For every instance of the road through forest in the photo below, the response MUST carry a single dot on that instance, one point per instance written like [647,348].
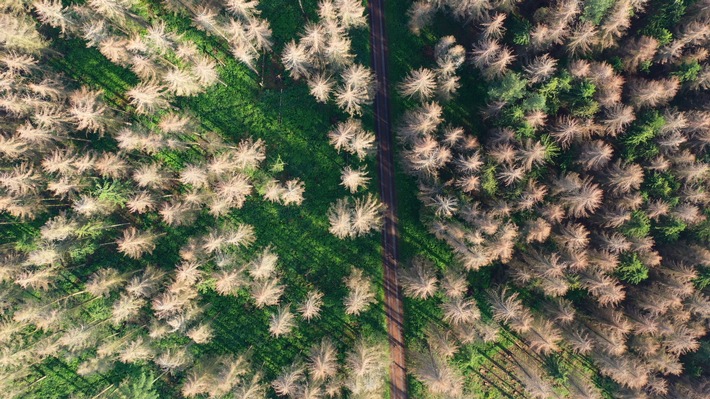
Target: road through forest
[385,160]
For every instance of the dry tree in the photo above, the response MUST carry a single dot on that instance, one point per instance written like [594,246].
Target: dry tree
[582,39]
[651,93]
[420,14]
[340,218]
[264,266]
[145,285]
[449,55]
[617,118]
[459,311]
[151,176]
[104,281]
[293,192]
[354,179]
[360,292]
[484,52]
[537,230]
[322,361]
[250,388]
[356,89]
[453,283]
[148,98]
[282,322]
[288,383]
[351,13]
[445,206]
[605,289]
[541,68]
[296,60]
[321,87]
[88,110]
[624,178]
[572,236]
[176,213]
[229,282]
[352,138]
[443,341]
[580,196]
[201,334]
[568,130]
[315,37]
[534,193]
[51,12]
[638,51]
[609,84]
[499,65]
[511,175]
[343,133]
[532,153]
[366,215]
[419,279]
[126,308]
[337,52]
[366,368]
[267,292]
[311,306]
[509,309]
[543,337]
[493,26]
[436,374]
[615,23]
[532,377]
[625,370]
[135,351]
[140,202]
[59,228]
[419,84]
[173,359]
[447,86]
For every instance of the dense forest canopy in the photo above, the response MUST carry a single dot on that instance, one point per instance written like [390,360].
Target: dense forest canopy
[584,182]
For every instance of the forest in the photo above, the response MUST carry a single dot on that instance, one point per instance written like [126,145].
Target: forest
[196,199]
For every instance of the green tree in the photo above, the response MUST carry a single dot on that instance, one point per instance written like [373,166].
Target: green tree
[140,387]
[639,139]
[631,269]
[639,226]
[663,16]
[594,10]
[688,72]
[669,229]
[510,88]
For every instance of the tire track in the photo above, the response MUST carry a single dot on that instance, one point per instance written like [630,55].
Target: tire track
[385,160]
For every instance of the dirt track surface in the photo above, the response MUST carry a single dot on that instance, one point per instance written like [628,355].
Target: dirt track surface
[385,160]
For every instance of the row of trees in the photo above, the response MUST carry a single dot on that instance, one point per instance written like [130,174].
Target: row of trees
[166,64]
[237,22]
[323,56]
[589,184]
[322,375]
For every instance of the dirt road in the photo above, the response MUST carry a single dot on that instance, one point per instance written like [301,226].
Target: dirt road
[385,160]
